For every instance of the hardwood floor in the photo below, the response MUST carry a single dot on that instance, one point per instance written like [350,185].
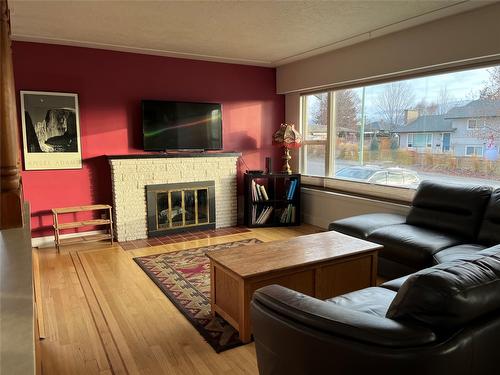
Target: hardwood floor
[101,314]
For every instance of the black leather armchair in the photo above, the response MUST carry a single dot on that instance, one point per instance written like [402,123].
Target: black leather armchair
[441,320]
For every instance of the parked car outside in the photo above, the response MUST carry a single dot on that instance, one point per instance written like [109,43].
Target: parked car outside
[372,174]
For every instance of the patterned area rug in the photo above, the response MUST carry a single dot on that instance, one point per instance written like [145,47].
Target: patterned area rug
[184,277]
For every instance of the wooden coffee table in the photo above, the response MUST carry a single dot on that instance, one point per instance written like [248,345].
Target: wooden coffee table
[321,265]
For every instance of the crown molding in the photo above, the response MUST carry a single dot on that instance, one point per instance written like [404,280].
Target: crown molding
[140,50]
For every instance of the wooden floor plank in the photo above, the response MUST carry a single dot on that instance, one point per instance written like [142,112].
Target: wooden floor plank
[104,315]
[107,339]
[72,344]
[38,295]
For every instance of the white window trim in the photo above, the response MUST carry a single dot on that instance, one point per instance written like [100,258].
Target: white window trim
[468,124]
[480,124]
[408,145]
[426,140]
[426,135]
[475,147]
[306,143]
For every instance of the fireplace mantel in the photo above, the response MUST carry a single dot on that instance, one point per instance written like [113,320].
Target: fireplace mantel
[131,173]
[157,155]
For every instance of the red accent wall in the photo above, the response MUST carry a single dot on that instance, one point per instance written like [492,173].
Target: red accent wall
[110,86]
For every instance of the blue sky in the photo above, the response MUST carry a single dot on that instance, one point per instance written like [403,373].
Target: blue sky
[461,86]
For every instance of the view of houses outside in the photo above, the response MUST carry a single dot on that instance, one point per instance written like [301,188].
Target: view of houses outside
[442,127]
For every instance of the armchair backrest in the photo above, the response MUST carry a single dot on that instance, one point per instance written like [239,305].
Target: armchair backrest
[453,209]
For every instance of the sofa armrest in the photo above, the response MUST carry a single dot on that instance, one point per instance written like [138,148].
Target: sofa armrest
[329,318]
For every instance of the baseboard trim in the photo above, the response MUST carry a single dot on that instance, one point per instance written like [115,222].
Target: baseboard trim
[48,241]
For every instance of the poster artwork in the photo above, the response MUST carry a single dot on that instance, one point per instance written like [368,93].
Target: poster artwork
[51,130]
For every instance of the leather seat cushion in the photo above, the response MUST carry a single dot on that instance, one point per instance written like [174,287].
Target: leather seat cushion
[374,301]
[457,252]
[451,294]
[411,245]
[454,209]
[362,225]
[489,234]
[395,284]
[490,251]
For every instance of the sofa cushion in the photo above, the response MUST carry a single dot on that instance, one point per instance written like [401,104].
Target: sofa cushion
[489,234]
[362,225]
[395,284]
[411,245]
[457,253]
[453,209]
[374,301]
[490,250]
[451,294]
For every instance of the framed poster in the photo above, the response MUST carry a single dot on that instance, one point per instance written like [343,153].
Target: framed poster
[51,130]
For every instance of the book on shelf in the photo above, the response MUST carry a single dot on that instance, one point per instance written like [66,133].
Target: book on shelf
[254,197]
[291,189]
[264,192]
[288,214]
[259,193]
[264,215]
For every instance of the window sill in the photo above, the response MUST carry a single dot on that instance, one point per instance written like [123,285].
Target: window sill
[390,194]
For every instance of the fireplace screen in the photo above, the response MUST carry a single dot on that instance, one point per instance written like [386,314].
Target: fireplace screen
[182,208]
[175,207]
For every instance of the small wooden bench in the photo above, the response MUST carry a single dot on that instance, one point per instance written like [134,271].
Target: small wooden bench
[78,224]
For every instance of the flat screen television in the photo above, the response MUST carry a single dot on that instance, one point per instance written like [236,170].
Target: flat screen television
[168,125]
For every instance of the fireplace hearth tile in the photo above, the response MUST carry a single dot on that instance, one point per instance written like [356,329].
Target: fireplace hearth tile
[128,245]
[140,243]
[181,237]
[154,242]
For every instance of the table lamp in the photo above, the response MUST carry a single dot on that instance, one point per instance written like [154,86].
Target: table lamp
[287,137]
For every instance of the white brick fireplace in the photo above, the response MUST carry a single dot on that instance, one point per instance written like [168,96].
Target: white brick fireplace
[131,173]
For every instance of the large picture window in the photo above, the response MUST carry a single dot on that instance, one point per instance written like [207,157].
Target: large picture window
[443,127]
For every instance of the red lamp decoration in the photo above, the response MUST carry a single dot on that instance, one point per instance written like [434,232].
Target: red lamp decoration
[287,137]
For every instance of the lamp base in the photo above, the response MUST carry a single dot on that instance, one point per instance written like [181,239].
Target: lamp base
[286,162]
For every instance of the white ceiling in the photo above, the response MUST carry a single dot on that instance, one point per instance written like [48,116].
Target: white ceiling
[266,33]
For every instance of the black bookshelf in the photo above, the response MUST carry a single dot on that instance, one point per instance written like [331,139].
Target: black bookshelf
[277,204]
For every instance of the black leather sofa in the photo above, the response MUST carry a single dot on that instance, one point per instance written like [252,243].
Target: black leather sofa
[441,317]
[441,320]
[445,222]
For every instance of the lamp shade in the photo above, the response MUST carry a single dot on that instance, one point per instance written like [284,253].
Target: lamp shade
[287,136]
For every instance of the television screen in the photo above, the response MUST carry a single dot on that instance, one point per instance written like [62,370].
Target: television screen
[181,125]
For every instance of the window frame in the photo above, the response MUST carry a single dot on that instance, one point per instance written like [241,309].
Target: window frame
[480,124]
[303,130]
[474,147]
[363,189]
[429,141]
[427,137]
[469,121]
[408,143]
